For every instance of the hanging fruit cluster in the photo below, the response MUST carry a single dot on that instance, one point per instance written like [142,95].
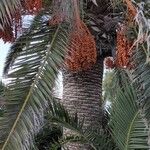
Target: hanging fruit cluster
[124,47]
[32,6]
[82,49]
[124,50]
[131,11]
[7,34]
[82,52]
[14,25]
[11,29]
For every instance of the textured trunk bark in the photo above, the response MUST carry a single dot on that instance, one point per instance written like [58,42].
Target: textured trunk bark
[82,93]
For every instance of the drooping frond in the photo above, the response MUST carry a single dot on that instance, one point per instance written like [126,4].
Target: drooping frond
[7,8]
[141,57]
[60,116]
[11,12]
[30,80]
[128,127]
[37,26]
[48,136]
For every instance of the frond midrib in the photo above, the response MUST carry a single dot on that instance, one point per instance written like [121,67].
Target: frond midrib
[30,91]
[130,129]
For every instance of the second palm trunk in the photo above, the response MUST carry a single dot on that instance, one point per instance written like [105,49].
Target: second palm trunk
[82,94]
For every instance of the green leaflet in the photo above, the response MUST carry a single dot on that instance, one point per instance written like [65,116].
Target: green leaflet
[98,140]
[128,127]
[141,72]
[7,8]
[31,81]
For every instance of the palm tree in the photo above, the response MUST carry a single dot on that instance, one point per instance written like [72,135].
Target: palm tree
[82,95]
[32,66]
[82,91]
[90,77]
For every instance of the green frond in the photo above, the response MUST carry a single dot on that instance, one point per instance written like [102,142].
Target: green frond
[99,140]
[141,76]
[47,137]
[61,116]
[96,141]
[30,81]
[141,73]
[7,9]
[128,127]
[39,27]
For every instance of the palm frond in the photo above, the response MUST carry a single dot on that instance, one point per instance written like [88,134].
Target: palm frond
[48,136]
[141,77]
[96,141]
[30,80]
[128,127]
[60,115]
[37,26]
[99,140]
[7,9]
[141,73]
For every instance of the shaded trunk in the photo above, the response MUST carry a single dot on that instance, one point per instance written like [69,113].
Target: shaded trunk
[82,93]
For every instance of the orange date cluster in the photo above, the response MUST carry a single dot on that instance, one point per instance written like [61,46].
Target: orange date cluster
[82,52]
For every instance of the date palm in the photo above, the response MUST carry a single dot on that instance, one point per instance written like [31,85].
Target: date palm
[32,66]
[93,74]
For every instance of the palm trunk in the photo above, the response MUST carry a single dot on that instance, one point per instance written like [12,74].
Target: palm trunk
[82,93]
